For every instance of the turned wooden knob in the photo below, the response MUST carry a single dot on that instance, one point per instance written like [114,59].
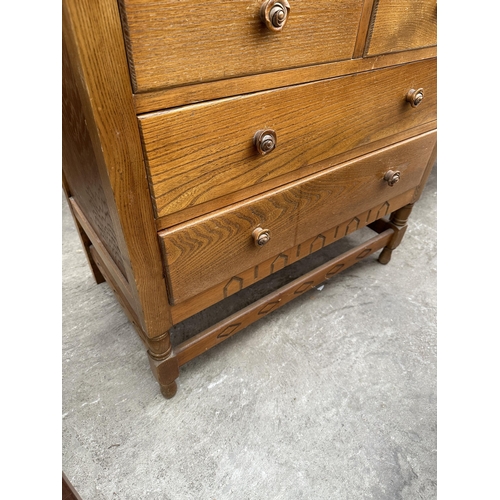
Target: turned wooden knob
[265,140]
[261,236]
[274,14]
[392,177]
[415,97]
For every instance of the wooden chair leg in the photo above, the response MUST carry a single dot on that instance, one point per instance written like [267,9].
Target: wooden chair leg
[399,222]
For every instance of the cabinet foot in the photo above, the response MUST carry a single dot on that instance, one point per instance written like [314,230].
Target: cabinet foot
[385,255]
[398,222]
[169,390]
[164,365]
[166,372]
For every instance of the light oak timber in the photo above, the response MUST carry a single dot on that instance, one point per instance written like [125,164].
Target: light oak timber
[191,161]
[190,94]
[166,371]
[229,38]
[364,26]
[159,346]
[84,239]
[402,25]
[428,169]
[216,334]
[266,186]
[94,39]
[116,284]
[398,223]
[167,189]
[202,252]
[108,263]
[233,285]
[83,180]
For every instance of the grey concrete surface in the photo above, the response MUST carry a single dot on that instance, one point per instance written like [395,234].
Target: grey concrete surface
[333,396]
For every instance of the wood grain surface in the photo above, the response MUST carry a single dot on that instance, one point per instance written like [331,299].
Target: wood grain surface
[199,92]
[93,36]
[204,252]
[238,321]
[175,42]
[96,244]
[81,169]
[84,239]
[161,101]
[201,152]
[267,185]
[254,274]
[364,28]
[399,25]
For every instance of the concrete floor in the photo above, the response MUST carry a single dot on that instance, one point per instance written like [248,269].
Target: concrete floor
[333,396]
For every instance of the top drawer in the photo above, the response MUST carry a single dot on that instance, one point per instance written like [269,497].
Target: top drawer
[402,25]
[175,42]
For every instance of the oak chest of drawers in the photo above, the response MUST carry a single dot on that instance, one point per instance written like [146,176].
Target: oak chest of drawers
[209,145]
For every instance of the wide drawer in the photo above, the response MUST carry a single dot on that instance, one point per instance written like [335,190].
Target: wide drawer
[201,152]
[175,42]
[403,25]
[206,251]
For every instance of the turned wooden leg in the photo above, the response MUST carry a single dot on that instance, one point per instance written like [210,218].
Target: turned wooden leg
[170,390]
[164,364]
[398,222]
[385,255]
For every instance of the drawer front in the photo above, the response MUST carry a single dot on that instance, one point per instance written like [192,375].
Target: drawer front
[402,25]
[199,153]
[175,42]
[209,250]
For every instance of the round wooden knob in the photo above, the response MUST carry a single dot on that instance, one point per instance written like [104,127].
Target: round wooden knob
[415,97]
[261,236]
[392,177]
[265,140]
[274,14]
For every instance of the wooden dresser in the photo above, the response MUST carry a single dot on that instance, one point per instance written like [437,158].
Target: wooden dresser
[207,145]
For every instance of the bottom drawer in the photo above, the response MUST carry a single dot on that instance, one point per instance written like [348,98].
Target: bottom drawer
[206,251]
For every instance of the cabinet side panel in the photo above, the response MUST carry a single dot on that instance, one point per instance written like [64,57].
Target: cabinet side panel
[80,166]
[94,40]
